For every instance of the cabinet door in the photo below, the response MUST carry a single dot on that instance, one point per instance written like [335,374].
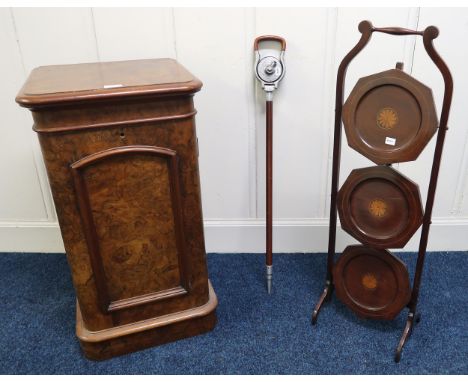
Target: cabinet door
[130,205]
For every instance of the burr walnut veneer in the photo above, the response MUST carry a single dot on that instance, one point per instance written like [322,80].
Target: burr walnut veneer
[120,147]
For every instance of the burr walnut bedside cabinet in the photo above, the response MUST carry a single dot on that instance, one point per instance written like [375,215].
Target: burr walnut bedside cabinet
[120,148]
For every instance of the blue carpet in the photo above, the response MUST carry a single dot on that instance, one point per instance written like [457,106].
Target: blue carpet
[255,334]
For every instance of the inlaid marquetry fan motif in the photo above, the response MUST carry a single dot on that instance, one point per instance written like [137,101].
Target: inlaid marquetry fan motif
[378,207]
[387,118]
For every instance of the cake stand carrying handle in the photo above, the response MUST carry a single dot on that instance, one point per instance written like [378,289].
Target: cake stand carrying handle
[397,31]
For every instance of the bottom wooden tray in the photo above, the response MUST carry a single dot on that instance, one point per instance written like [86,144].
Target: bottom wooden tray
[372,282]
[124,339]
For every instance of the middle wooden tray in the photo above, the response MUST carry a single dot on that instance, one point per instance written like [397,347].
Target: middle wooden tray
[380,207]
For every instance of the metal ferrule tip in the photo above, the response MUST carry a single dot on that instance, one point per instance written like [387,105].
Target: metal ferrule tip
[269,277]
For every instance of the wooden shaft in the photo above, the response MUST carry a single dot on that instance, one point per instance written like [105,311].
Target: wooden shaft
[269,182]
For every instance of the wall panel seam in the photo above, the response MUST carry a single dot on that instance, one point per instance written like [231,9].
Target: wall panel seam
[93,21]
[414,46]
[462,180]
[251,104]
[18,44]
[46,195]
[327,116]
[413,23]
[174,32]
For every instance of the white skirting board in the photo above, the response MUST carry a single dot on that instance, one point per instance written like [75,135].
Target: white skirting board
[311,235]
[242,236]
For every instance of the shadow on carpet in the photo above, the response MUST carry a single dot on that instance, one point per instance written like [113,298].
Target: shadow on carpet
[255,334]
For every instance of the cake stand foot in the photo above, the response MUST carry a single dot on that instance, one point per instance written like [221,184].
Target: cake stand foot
[412,319]
[324,297]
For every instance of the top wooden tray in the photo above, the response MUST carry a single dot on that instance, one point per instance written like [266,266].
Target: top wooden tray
[389,117]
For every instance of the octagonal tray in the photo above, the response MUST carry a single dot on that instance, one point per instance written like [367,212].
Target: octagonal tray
[380,207]
[389,117]
[372,282]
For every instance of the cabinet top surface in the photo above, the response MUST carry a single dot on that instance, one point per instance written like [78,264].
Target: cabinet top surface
[55,84]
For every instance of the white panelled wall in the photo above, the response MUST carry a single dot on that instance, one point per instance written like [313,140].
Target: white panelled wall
[216,45]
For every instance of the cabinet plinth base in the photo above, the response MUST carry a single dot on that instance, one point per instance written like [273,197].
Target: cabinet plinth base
[108,343]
